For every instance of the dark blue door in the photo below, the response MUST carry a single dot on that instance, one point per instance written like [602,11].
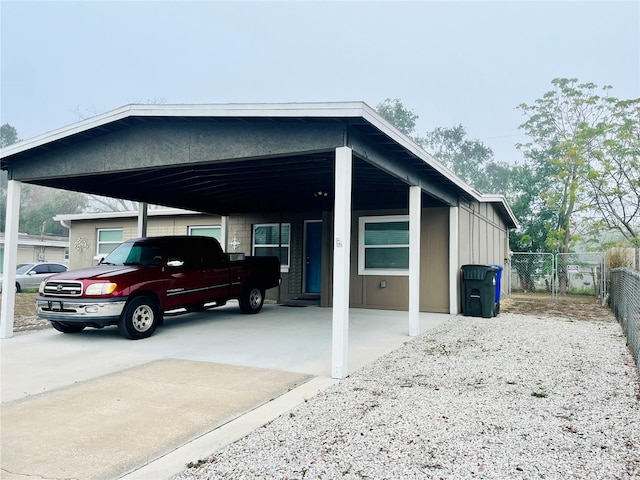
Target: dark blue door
[313,262]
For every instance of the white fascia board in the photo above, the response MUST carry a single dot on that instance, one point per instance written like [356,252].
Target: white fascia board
[127,214]
[45,243]
[309,109]
[503,201]
[66,131]
[38,243]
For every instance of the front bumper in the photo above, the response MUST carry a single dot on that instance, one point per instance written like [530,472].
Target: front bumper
[91,311]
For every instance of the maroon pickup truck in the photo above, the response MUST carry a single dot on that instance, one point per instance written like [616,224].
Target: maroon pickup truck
[141,279]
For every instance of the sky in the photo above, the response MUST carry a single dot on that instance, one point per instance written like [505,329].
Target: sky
[450,62]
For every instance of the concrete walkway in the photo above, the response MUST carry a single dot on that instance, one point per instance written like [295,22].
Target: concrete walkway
[275,360]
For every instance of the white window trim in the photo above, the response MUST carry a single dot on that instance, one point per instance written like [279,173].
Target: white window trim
[98,242]
[99,256]
[283,268]
[362,221]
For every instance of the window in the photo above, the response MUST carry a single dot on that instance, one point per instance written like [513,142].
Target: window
[383,245]
[267,242]
[55,268]
[108,239]
[206,231]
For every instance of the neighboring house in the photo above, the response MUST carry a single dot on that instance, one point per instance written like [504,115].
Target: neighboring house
[94,235]
[38,248]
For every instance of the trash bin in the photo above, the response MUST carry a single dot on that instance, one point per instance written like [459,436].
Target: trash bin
[496,308]
[479,290]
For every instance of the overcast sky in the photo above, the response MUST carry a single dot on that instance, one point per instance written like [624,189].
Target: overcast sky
[468,63]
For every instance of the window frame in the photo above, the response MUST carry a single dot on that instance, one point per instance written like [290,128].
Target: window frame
[100,254]
[362,222]
[283,268]
[195,228]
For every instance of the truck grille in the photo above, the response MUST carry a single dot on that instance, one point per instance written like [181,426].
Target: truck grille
[66,289]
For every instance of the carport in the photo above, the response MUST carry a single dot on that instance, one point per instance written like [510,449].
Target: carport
[241,158]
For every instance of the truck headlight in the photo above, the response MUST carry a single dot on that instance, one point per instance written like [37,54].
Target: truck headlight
[41,287]
[104,288]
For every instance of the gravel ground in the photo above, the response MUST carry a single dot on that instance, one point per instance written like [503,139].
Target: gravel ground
[516,396]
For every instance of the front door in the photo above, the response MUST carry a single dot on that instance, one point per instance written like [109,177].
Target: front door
[313,256]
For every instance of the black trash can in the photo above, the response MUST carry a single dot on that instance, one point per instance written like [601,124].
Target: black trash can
[479,290]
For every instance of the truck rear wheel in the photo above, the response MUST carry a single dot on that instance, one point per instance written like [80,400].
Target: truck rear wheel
[67,327]
[139,319]
[251,300]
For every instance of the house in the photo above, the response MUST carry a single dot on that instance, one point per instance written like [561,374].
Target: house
[38,248]
[357,212]
[93,235]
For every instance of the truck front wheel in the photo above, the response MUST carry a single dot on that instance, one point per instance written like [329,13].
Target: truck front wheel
[139,319]
[251,300]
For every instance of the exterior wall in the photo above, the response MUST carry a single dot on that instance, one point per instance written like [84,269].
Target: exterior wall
[240,233]
[83,235]
[32,248]
[33,253]
[366,290]
[484,236]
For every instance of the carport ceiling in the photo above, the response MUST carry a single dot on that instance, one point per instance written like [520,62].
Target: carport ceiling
[267,184]
[273,162]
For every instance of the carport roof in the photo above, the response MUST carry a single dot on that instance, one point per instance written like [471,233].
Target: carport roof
[175,157]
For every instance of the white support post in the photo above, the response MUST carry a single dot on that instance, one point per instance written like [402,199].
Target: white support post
[10,259]
[454,259]
[143,209]
[341,262]
[224,232]
[415,210]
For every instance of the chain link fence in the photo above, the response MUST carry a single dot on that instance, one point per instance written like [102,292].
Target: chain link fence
[625,304]
[531,273]
[581,274]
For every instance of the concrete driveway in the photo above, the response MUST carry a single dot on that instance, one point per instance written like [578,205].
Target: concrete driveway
[229,373]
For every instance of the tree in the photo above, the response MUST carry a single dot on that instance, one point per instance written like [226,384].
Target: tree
[555,125]
[471,160]
[41,204]
[585,150]
[8,135]
[97,203]
[614,175]
[394,112]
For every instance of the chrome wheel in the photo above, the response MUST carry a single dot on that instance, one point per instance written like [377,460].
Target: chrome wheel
[251,300]
[255,298]
[142,318]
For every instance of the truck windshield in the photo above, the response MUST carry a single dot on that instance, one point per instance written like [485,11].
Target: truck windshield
[134,254]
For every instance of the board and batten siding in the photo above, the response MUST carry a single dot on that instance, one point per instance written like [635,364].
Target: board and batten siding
[484,237]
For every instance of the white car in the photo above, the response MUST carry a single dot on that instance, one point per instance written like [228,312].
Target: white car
[29,275]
